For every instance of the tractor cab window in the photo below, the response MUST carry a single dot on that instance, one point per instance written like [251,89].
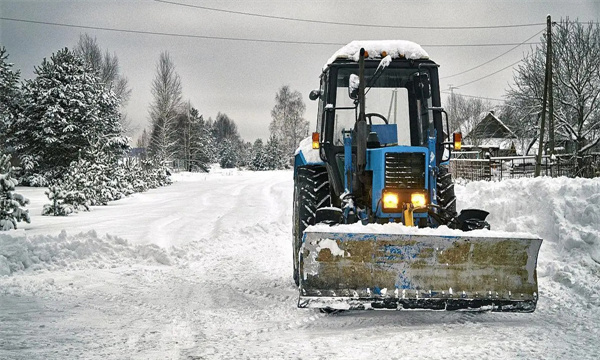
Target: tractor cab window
[390,97]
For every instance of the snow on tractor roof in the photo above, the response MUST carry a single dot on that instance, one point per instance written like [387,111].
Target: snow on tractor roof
[376,49]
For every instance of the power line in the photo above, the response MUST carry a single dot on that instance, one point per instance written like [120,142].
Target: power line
[471,96]
[88,27]
[488,75]
[347,24]
[169,34]
[497,57]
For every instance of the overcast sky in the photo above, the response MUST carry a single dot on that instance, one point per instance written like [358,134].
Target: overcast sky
[241,78]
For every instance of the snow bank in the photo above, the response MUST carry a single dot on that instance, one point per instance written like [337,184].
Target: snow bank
[18,252]
[564,212]
[393,48]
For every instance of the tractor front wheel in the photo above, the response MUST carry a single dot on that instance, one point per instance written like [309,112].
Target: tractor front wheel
[311,192]
[446,198]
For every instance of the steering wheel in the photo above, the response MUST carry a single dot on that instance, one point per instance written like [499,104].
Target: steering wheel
[371,115]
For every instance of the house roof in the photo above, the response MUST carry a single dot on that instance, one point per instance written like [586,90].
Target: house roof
[490,127]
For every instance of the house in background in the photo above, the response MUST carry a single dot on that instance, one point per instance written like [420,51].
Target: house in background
[491,136]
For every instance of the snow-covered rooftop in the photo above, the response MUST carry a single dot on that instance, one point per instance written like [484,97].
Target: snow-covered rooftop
[375,48]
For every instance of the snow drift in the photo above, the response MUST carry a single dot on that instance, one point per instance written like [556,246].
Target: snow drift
[564,212]
[18,252]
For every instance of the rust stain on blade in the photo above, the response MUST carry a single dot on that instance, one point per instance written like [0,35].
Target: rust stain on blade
[419,264]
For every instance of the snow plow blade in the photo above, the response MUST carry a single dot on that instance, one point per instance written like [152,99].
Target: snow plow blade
[356,271]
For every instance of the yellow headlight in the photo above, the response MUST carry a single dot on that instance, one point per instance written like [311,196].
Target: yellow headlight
[390,200]
[418,200]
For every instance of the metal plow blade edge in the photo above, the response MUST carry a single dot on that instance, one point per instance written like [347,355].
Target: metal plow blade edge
[347,271]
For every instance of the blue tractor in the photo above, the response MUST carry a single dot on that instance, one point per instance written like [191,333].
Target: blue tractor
[375,221]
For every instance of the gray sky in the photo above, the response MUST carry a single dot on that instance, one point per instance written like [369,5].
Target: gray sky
[241,78]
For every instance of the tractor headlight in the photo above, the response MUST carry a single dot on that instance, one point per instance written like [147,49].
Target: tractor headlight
[390,200]
[418,200]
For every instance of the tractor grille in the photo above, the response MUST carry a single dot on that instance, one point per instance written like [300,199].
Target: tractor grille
[405,170]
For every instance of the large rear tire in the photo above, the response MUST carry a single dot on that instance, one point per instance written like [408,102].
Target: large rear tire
[446,198]
[311,192]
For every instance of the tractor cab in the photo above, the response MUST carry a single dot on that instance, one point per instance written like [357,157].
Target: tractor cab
[402,103]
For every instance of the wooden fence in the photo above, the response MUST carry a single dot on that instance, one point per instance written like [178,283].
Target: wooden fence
[499,168]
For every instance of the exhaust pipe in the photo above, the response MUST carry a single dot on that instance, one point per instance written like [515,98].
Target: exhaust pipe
[361,124]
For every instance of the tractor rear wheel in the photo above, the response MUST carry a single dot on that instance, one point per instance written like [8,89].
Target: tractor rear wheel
[311,192]
[446,198]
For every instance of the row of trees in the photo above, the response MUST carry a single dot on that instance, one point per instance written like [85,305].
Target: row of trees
[64,128]
[179,133]
[576,91]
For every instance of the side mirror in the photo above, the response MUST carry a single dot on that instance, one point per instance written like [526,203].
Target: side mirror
[353,84]
[314,95]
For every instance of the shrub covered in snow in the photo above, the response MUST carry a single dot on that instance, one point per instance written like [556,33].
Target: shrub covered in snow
[12,205]
[95,180]
[60,205]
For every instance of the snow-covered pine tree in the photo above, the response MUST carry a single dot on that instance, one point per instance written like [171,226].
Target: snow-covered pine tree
[245,154]
[228,141]
[258,160]
[228,153]
[12,205]
[66,109]
[203,147]
[195,145]
[276,158]
[10,95]
[58,207]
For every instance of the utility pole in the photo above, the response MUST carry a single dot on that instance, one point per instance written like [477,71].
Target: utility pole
[550,98]
[538,163]
[453,120]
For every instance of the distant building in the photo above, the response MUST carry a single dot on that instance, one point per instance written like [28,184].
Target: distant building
[490,135]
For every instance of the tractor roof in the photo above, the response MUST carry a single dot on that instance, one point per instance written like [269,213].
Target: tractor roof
[397,49]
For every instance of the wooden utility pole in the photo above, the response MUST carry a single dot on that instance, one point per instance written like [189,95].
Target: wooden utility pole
[538,163]
[550,97]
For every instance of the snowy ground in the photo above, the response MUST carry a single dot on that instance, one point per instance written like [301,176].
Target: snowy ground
[202,270]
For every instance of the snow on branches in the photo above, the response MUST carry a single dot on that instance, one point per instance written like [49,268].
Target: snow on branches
[12,205]
[93,180]
[66,110]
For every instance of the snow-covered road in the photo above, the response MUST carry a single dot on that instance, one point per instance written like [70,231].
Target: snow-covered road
[202,270]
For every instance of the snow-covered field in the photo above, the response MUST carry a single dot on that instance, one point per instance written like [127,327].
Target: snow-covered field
[202,270]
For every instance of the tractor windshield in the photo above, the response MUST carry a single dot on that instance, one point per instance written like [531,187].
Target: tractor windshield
[389,96]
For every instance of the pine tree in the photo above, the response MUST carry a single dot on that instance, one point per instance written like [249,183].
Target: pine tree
[202,148]
[66,110]
[194,141]
[10,95]
[227,140]
[258,161]
[245,154]
[275,158]
[58,207]
[228,153]
[12,205]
